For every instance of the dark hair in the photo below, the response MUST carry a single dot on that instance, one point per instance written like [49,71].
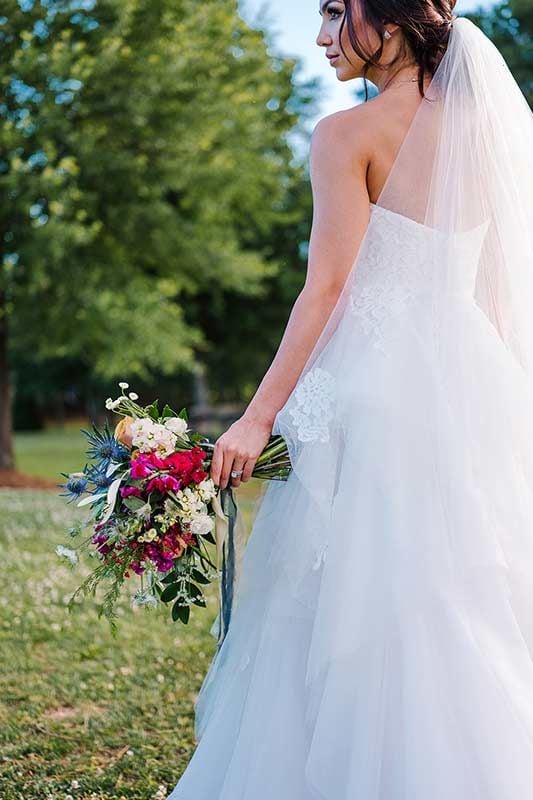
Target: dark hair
[425,24]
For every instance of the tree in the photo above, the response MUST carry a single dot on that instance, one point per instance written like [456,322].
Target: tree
[138,141]
[510,26]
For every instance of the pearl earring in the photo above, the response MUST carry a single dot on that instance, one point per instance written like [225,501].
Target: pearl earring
[387,34]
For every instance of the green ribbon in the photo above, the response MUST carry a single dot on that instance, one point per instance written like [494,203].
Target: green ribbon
[230,538]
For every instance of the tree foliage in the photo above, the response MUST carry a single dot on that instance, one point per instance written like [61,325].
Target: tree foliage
[140,143]
[510,26]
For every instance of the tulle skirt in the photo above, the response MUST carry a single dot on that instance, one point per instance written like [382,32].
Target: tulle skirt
[382,637]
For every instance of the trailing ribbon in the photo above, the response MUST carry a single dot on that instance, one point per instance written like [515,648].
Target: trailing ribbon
[230,538]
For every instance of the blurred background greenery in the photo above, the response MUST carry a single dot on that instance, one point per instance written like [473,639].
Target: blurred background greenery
[154,218]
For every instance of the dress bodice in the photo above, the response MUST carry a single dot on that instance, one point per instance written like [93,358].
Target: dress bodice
[403,261]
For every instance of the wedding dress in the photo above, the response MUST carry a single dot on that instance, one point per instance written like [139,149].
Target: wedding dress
[381,639]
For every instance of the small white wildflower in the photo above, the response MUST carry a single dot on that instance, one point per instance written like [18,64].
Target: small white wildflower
[149,536]
[74,784]
[133,396]
[124,385]
[71,555]
[112,404]
[144,598]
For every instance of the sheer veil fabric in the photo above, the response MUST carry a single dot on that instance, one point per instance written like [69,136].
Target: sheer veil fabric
[381,644]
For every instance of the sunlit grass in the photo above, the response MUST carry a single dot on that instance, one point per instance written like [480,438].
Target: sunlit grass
[50,452]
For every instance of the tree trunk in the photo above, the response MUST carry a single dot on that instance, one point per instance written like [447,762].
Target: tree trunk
[201,392]
[7,460]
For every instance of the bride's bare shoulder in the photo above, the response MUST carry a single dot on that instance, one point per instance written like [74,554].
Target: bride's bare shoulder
[352,132]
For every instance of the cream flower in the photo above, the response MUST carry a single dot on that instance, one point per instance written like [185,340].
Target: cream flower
[177,425]
[201,524]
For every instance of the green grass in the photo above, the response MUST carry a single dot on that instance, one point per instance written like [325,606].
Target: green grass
[83,714]
[50,452]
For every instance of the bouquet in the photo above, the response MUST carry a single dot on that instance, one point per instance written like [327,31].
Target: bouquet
[156,513]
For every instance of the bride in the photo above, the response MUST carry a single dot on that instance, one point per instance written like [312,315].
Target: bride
[381,640]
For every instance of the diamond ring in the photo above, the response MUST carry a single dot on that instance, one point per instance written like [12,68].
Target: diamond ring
[236,473]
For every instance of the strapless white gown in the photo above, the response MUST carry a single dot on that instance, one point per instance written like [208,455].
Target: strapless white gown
[382,639]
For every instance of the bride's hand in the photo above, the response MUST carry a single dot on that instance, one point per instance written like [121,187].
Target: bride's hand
[238,449]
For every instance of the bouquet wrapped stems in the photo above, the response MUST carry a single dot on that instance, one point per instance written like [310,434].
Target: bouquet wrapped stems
[273,463]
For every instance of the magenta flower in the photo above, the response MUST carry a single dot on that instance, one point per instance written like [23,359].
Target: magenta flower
[127,491]
[163,561]
[100,540]
[141,467]
[163,483]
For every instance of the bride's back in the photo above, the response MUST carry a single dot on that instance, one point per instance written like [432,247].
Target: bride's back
[380,126]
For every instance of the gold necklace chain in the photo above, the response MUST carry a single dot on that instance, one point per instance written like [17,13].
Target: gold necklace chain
[398,83]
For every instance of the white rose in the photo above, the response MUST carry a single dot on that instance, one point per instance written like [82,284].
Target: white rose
[177,425]
[201,524]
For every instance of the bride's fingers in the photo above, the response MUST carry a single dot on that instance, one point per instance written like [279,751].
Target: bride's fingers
[248,469]
[217,462]
[237,466]
[228,457]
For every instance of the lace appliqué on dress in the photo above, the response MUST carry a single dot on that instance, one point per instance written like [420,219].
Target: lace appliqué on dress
[374,315]
[395,266]
[314,405]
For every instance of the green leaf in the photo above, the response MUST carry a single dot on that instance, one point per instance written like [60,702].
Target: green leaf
[153,410]
[181,613]
[170,592]
[199,576]
[168,412]
[183,414]
[194,590]
[133,503]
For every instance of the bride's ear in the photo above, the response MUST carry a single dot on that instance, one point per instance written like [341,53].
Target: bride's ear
[390,30]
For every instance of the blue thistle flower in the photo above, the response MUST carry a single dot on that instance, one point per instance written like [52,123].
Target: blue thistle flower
[75,485]
[96,475]
[103,447]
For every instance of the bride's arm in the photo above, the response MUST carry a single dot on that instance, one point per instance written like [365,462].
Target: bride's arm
[338,167]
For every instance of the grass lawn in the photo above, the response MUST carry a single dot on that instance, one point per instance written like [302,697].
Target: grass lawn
[82,714]
[50,452]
